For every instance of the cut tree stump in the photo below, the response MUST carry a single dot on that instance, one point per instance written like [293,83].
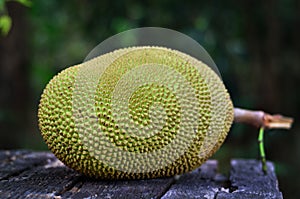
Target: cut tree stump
[27,174]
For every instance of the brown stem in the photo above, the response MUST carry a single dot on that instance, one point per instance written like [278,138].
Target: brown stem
[262,119]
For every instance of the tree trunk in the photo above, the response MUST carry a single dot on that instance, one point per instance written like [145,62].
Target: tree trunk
[13,78]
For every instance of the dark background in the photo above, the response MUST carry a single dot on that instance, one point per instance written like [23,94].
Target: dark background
[255,44]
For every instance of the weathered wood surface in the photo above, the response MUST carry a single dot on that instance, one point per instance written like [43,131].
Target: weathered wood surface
[26,174]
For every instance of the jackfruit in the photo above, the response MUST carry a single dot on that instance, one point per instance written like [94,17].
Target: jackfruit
[135,113]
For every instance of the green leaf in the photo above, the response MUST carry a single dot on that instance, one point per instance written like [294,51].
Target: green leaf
[5,24]
[27,3]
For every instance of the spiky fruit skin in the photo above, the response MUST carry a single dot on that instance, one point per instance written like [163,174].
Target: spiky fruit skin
[59,129]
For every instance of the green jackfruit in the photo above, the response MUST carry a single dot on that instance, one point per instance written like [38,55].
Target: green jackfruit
[140,112]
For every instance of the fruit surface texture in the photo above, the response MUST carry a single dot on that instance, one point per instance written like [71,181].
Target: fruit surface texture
[135,113]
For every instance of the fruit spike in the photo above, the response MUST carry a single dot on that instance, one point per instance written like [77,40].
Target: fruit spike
[140,112]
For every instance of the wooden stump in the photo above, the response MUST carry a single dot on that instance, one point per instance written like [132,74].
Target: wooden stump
[26,174]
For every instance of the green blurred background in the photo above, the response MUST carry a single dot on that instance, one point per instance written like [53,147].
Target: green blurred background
[255,44]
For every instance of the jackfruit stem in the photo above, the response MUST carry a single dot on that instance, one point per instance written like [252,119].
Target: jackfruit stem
[262,119]
[262,150]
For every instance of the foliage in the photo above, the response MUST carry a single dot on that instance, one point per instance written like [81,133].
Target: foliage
[5,19]
[5,24]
